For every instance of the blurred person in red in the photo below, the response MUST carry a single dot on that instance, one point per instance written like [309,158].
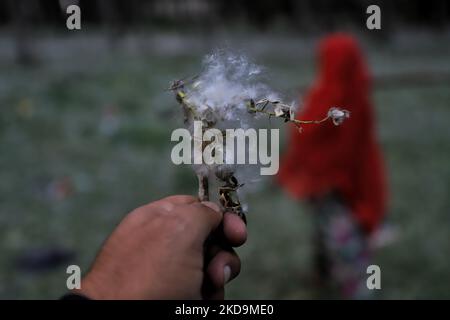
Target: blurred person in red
[339,169]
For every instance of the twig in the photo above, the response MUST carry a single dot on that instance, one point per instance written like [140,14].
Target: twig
[227,193]
[286,115]
[203,187]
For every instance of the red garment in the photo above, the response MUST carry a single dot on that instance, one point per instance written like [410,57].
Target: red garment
[326,158]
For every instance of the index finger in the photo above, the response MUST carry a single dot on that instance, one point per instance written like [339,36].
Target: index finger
[170,202]
[180,199]
[234,229]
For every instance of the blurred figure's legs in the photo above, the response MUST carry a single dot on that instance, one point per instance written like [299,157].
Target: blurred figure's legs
[341,253]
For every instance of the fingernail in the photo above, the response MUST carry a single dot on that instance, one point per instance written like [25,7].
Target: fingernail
[211,205]
[226,274]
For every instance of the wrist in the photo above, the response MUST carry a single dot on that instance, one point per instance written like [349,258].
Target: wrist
[93,288]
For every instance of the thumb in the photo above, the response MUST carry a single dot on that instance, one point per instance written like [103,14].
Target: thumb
[204,218]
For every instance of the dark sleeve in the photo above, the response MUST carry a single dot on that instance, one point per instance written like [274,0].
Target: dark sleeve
[73,296]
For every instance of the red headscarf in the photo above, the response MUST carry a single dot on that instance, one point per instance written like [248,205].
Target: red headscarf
[346,158]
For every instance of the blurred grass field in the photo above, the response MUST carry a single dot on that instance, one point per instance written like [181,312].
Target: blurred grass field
[85,138]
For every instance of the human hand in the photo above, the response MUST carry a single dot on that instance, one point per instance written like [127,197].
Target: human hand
[173,248]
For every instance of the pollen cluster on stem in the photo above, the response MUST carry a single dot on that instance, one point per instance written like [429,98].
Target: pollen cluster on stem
[225,93]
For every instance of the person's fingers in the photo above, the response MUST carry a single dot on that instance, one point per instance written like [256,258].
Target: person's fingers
[216,294]
[211,205]
[180,199]
[234,229]
[212,248]
[224,267]
[210,291]
[202,218]
[168,203]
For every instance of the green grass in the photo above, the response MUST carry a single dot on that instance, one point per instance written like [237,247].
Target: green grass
[49,129]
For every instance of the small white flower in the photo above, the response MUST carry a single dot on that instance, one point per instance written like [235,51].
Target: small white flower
[279,111]
[338,115]
[196,84]
[292,112]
